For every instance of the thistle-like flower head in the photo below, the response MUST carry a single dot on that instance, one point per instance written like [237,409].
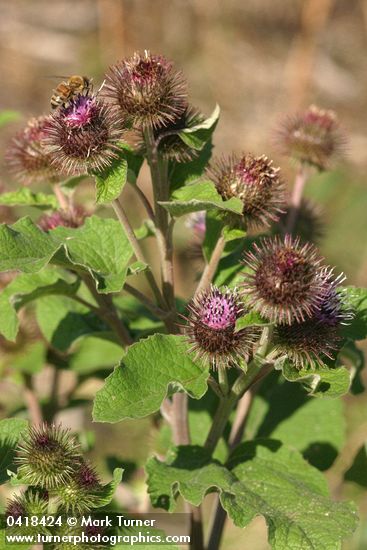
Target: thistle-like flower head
[80,493]
[286,282]
[66,218]
[256,182]
[15,508]
[308,343]
[86,476]
[32,502]
[48,456]
[312,137]
[170,145]
[147,88]
[80,138]
[211,327]
[26,155]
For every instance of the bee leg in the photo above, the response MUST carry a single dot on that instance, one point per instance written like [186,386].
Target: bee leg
[101,86]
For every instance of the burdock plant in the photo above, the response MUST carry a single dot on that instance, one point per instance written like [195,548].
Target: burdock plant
[212,327]
[27,156]
[286,280]
[256,182]
[81,137]
[147,89]
[59,478]
[261,313]
[47,456]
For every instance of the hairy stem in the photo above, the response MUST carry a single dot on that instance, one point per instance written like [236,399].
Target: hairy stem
[145,201]
[238,425]
[52,406]
[226,405]
[243,389]
[223,381]
[157,311]
[211,266]
[296,198]
[62,199]
[108,312]
[180,425]
[32,402]
[164,233]
[123,219]
[219,516]
[158,169]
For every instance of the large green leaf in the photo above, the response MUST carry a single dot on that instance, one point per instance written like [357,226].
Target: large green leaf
[200,196]
[316,429]
[263,478]
[282,410]
[25,288]
[94,354]
[101,247]
[320,381]
[25,247]
[63,321]
[25,197]
[187,172]
[110,182]
[197,136]
[291,495]
[10,431]
[188,470]
[139,384]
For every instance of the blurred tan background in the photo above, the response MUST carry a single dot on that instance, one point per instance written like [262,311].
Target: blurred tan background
[258,59]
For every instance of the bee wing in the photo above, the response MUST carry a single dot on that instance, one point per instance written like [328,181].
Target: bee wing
[54,76]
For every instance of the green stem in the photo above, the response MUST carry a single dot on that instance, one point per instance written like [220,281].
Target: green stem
[32,402]
[145,201]
[123,219]
[61,198]
[223,380]
[225,408]
[296,198]
[255,372]
[158,169]
[240,386]
[108,312]
[157,311]
[164,232]
[211,266]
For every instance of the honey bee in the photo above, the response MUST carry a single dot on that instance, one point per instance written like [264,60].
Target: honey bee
[69,88]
